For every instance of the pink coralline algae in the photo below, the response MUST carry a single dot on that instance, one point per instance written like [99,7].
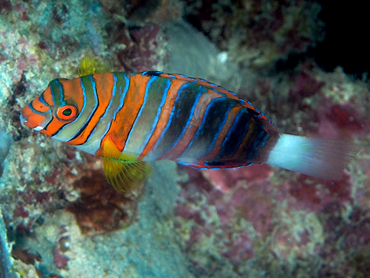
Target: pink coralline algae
[200,201]
[260,207]
[313,194]
[305,86]
[224,179]
[142,46]
[342,119]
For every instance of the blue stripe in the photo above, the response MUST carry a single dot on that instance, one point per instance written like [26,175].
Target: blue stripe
[155,122]
[141,109]
[121,101]
[219,130]
[232,128]
[223,168]
[216,86]
[35,111]
[213,84]
[188,164]
[61,91]
[259,141]
[57,104]
[191,78]
[197,166]
[84,105]
[42,100]
[44,114]
[203,123]
[52,92]
[51,114]
[51,119]
[188,121]
[242,101]
[83,108]
[91,114]
[122,97]
[265,140]
[113,93]
[172,113]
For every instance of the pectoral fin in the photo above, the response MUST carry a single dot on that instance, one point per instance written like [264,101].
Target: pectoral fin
[123,171]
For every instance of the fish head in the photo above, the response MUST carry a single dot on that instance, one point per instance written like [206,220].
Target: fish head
[55,108]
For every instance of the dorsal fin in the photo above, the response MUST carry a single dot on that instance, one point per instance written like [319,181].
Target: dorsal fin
[91,65]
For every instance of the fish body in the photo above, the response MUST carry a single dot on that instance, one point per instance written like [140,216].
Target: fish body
[132,118]
[155,116]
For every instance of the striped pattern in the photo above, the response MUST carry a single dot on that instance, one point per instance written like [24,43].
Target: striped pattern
[154,116]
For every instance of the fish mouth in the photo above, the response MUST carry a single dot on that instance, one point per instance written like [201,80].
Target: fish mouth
[36,121]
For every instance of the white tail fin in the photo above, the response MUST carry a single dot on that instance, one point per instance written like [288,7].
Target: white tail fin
[322,158]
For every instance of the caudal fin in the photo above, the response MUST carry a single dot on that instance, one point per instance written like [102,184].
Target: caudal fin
[322,158]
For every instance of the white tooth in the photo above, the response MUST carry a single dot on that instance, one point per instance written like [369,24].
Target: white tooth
[38,128]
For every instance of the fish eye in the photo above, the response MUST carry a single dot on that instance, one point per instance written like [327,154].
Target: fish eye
[67,112]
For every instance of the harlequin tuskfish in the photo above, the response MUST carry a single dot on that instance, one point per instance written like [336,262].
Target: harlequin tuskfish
[132,118]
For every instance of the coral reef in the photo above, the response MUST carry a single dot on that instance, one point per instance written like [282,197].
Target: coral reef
[257,33]
[4,252]
[62,219]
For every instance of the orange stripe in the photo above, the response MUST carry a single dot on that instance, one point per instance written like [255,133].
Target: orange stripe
[164,116]
[104,87]
[48,96]
[72,90]
[193,126]
[221,137]
[39,106]
[125,118]
[53,127]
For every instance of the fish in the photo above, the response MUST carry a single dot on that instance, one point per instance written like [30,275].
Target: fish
[131,119]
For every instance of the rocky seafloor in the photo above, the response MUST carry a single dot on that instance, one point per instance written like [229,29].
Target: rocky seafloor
[60,218]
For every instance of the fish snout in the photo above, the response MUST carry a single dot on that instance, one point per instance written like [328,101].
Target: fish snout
[34,120]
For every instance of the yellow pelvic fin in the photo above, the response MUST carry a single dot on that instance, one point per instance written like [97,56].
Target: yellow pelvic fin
[123,171]
[91,65]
